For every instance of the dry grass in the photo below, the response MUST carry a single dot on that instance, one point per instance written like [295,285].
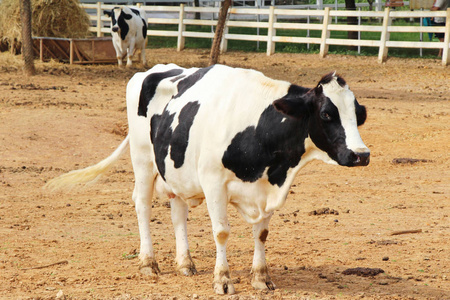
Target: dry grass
[50,18]
[12,63]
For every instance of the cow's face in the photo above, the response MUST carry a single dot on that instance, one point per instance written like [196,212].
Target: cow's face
[334,116]
[118,21]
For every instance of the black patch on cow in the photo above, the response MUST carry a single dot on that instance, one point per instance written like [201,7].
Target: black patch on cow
[136,12]
[144,29]
[160,135]
[177,78]
[361,113]
[189,81]
[149,86]
[273,143]
[180,138]
[123,25]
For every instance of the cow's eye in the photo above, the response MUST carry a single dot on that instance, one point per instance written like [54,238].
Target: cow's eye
[325,116]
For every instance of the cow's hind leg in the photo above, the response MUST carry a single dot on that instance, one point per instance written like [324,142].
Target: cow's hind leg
[142,197]
[179,211]
[261,279]
[144,44]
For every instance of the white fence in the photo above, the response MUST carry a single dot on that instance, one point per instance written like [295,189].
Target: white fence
[266,18]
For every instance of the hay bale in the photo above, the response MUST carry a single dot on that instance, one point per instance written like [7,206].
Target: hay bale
[50,18]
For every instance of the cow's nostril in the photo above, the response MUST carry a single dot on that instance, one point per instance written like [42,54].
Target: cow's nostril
[362,158]
[115,29]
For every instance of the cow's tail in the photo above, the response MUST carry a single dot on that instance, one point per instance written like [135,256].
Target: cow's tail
[88,174]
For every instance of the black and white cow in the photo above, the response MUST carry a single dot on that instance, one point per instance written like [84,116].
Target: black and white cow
[230,136]
[129,32]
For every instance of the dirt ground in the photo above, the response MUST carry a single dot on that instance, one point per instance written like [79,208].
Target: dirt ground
[82,244]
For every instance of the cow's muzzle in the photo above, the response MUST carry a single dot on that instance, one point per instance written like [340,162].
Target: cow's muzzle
[115,29]
[362,159]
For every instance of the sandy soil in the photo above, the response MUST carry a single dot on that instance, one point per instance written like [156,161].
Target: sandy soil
[82,244]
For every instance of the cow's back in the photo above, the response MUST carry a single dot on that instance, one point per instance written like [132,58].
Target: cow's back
[140,24]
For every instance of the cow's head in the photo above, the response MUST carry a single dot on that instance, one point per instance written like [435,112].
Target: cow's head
[118,20]
[333,118]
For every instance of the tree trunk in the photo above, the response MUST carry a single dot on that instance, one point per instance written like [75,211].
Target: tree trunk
[27,41]
[215,48]
[351,5]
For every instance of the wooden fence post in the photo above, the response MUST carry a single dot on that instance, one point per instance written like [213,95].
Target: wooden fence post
[181,28]
[224,42]
[445,51]
[41,49]
[271,32]
[383,51]
[71,52]
[99,19]
[325,33]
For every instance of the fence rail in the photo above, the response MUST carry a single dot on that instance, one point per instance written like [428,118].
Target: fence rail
[267,18]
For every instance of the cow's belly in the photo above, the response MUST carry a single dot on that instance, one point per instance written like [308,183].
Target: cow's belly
[252,200]
[182,182]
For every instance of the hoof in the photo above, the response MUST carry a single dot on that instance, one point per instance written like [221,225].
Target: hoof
[189,271]
[149,267]
[186,266]
[224,288]
[263,285]
[147,271]
[261,279]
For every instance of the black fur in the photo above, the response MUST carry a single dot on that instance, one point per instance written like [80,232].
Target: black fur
[276,143]
[123,25]
[149,86]
[162,136]
[180,137]
[189,81]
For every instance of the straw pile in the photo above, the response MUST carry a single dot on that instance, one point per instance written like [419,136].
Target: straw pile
[50,18]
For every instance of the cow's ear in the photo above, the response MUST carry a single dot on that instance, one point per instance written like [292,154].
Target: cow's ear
[318,90]
[361,113]
[107,13]
[293,107]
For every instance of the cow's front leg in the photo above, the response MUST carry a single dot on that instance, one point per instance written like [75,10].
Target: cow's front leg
[261,279]
[119,53]
[142,197]
[217,208]
[130,52]
[179,211]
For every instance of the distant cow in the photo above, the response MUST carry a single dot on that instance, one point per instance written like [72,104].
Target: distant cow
[230,136]
[129,32]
